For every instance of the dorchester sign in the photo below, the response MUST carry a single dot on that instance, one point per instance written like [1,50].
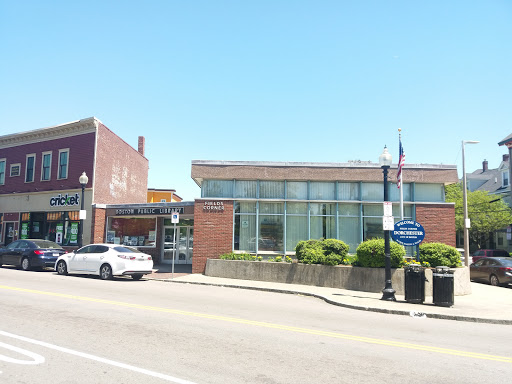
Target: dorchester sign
[408,232]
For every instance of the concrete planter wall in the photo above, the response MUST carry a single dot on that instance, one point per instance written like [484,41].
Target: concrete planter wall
[344,277]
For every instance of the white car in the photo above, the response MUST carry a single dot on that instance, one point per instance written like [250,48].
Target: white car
[106,261]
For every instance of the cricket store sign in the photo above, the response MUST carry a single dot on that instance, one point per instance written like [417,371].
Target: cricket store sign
[408,232]
[65,200]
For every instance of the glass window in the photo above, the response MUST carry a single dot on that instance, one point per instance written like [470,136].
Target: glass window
[372,192]
[348,191]
[321,190]
[63,163]
[271,233]
[504,177]
[245,207]
[46,166]
[271,208]
[245,233]
[272,189]
[296,230]
[394,192]
[323,227]
[245,188]
[29,169]
[15,169]
[297,190]
[132,231]
[429,192]
[217,188]
[350,232]
[296,208]
[372,228]
[373,210]
[323,208]
[2,171]
[349,209]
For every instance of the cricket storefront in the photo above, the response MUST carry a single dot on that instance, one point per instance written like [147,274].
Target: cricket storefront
[149,228]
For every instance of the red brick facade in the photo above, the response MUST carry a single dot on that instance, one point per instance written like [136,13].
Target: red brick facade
[213,233]
[438,220]
[98,225]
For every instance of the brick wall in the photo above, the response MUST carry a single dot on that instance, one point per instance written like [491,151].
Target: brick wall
[121,171]
[98,225]
[438,220]
[213,233]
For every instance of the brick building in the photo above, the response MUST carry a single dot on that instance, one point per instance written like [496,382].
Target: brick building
[40,193]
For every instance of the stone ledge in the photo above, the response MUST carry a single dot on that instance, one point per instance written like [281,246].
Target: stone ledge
[340,276]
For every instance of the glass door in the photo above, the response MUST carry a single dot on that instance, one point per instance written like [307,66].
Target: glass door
[184,239]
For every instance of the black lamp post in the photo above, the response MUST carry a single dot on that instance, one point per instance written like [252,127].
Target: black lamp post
[83,181]
[388,293]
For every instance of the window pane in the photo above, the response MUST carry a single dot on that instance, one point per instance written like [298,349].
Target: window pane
[217,188]
[373,210]
[323,227]
[323,209]
[296,230]
[272,189]
[46,166]
[245,207]
[2,172]
[372,191]
[297,190]
[133,231]
[321,191]
[63,165]
[429,192]
[245,188]
[271,208]
[394,192]
[245,233]
[271,233]
[348,209]
[350,232]
[348,191]
[372,228]
[296,208]
[30,169]
[407,212]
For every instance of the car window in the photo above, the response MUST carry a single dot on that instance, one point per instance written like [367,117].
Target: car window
[479,263]
[86,249]
[506,262]
[46,244]
[127,250]
[492,263]
[23,244]
[13,245]
[478,253]
[101,249]
[500,253]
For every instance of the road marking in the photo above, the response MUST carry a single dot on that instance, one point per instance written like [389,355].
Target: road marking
[336,335]
[91,357]
[36,359]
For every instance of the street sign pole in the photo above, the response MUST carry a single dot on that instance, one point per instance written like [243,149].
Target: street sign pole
[174,219]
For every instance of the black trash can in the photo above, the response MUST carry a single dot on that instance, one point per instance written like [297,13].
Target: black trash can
[443,287]
[414,284]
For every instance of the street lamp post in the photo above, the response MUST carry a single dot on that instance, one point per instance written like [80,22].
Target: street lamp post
[83,182]
[388,293]
[466,223]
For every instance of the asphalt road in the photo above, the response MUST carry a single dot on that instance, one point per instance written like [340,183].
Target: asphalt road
[73,329]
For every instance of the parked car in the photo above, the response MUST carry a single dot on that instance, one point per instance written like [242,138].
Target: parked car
[494,270]
[489,253]
[31,253]
[106,261]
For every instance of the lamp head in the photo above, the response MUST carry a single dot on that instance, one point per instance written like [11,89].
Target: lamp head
[83,179]
[385,158]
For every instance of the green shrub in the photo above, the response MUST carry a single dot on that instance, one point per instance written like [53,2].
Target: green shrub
[437,254]
[237,256]
[328,252]
[370,253]
[278,259]
[288,259]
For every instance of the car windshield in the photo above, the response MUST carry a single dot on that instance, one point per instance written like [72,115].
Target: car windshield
[46,244]
[127,250]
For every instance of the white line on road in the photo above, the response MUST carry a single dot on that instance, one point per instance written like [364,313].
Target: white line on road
[37,359]
[99,359]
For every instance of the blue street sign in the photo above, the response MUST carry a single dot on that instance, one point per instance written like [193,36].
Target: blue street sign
[408,232]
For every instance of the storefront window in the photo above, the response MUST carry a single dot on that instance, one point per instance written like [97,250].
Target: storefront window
[60,227]
[135,232]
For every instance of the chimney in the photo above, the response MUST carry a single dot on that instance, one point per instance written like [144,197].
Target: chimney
[142,144]
[485,164]
[506,157]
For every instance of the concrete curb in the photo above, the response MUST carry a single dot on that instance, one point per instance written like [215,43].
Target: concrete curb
[349,306]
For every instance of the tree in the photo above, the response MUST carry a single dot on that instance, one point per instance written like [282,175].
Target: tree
[487,213]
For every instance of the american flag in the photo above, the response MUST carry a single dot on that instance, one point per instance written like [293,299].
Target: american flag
[401,161]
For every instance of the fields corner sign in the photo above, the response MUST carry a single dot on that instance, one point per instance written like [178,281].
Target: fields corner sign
[408,232]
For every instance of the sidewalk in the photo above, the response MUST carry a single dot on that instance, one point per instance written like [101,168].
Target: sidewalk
[486,304]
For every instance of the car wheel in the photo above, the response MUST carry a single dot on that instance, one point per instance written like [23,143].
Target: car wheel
[137,276]
[494,280]
[25,264]
[106,272]
[62,269]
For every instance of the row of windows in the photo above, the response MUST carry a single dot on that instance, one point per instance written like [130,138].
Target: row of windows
[15,169]
[314,190]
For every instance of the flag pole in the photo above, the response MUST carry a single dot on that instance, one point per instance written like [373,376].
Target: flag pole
[401,181]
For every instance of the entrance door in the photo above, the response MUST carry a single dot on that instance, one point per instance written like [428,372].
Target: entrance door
[9,233]
[184,240]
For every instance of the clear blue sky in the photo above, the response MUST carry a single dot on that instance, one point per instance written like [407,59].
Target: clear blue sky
[268,80]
